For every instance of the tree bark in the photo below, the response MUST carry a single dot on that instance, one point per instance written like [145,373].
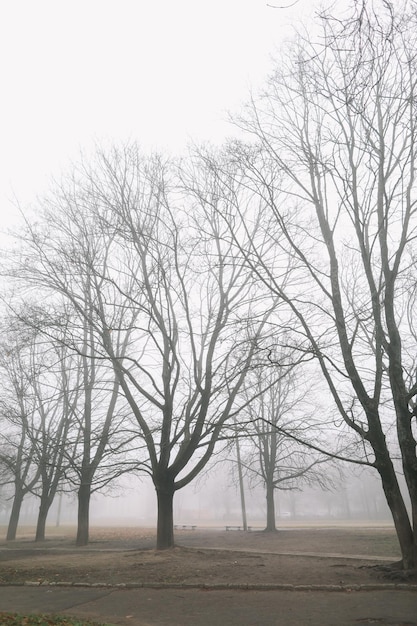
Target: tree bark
[270,508]
[399,513]
[14,517]
[41,522]
[83,529]
[241,486]
[165,524]
[58,514]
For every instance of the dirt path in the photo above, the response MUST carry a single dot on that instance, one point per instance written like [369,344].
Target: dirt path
[203,557]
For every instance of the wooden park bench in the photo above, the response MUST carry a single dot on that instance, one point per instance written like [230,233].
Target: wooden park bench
[185,526]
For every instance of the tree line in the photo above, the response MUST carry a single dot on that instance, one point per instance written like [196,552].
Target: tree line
[182,294]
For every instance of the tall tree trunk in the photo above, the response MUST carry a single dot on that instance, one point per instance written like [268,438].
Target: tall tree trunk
[293,506]
[84,495]
[14,516]
[42,516]
[270,508]
[345,503]
[241,485]
[165,524]
[395,501]
[58,514]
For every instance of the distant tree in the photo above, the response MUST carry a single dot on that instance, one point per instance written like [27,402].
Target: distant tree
[71,424]
[102,437]
[274,424]
[19,434]
[52,449]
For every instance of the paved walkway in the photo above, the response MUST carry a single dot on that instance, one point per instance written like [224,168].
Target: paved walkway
[317,555]
[193,607]
[377,604]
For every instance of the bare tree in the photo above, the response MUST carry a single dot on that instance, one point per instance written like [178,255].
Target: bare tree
[335,164]
[167,306]
[102,434]
[52,451]
[274,425]
[78,432]
[20,433]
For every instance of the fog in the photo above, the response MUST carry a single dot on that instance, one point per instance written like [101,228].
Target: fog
[214,501]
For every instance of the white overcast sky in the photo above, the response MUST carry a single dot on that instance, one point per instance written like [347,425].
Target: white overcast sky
[162,72]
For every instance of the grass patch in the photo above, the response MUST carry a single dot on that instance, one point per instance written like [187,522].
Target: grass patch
[16,619]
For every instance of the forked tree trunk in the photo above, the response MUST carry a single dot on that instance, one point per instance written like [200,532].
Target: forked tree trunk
[395,501]
[42,516]
[270,509]
[83,528]
[165,524]
[14,517]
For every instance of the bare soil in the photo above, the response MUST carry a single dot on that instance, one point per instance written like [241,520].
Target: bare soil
[299,556]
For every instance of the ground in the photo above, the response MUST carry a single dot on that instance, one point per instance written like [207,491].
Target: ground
[123,555]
